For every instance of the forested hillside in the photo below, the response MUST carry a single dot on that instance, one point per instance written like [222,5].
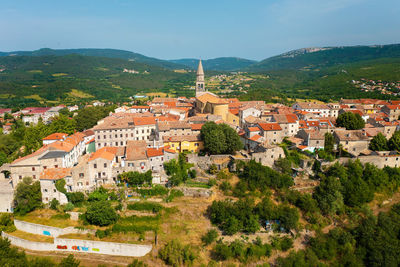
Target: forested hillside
[31,79]
[314,58]
[110,53]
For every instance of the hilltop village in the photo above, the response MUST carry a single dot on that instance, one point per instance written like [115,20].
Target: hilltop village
[144,137]
[204,178]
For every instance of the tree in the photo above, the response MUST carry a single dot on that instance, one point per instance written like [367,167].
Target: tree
[329,143]
[350,120]
[220,138]
[178,170]
[10,256]
[76,198]
[394,141]
[378,143]
[27,196]
[101,213]
[328,195]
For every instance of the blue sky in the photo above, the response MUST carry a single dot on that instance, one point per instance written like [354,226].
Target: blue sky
[171,29]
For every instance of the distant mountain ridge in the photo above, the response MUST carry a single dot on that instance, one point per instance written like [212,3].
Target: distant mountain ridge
[98,52]
[220,63]
[318,57]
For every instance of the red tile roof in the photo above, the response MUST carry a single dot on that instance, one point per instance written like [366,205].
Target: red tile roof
[55,173]
[270,126]
[107,153]
[154,152]
[196,126]
[56,136]
[144,121]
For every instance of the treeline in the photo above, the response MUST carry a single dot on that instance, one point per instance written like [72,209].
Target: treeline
[374,242]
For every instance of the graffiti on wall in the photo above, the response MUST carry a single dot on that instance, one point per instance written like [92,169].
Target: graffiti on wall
[46,233]
[78,248]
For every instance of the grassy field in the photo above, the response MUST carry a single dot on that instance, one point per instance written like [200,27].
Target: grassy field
[36,97]
[32,237]
[59,74]
[46,217]
[79,94]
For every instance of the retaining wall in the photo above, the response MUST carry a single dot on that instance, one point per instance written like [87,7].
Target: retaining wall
[108,248]
[31,245]
[83,246]
[38,229]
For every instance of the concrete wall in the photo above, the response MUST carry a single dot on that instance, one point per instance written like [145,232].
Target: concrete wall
[84,246]
[38,229]
[26,244]
[99,247]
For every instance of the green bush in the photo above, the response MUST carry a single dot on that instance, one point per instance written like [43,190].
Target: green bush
[157,190]
[7,223]
[149,206]
[176,254]
[173,194]
[76,198]
[54,203]
[101,213]
[209,237]
[68,207]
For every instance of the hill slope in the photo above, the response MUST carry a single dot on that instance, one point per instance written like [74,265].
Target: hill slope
[315,58]
[110,53]
[30,79]
[218,64]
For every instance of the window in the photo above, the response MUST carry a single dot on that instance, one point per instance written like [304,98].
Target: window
[87,183]
[95,165]
[81,175]
[45,190]
[126,135]
[105,165]
[55,166]
[98,137]
[54,190]
[34,176]
[120,135]
[116,143]
[104,174]
[20,177]
[116,136]
[121,143]
[44,167]
[33,168]
[142,131]
[104,137]
[131,134]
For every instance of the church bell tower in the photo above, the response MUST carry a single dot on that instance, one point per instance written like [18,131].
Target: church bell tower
[200,85]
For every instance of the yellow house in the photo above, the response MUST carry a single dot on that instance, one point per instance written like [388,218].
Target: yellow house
[190,143]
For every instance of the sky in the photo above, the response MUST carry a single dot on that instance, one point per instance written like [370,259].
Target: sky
[172,29]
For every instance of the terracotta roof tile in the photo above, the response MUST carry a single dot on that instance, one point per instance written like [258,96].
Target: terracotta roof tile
[270,126]
[56,136]
[154,152]
[55,173]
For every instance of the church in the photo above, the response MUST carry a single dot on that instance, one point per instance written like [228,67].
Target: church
[209,103]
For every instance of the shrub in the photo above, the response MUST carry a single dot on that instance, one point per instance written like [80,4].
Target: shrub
[62,216]
[99,194]
[212,182]
[209,237]
[286,243]
[60,186]
[173,194]
[149,206]
[54,203]
[101,213]
[68,207]
[6,223]
[76,198]
[176,254]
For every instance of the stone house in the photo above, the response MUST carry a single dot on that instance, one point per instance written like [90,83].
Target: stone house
[136,157]
[172,128]
[288,122]
[272,132]
[267,154]
[48,180]
[392,111]
[353,141]
[101,163]
[319,110]
[313,139]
